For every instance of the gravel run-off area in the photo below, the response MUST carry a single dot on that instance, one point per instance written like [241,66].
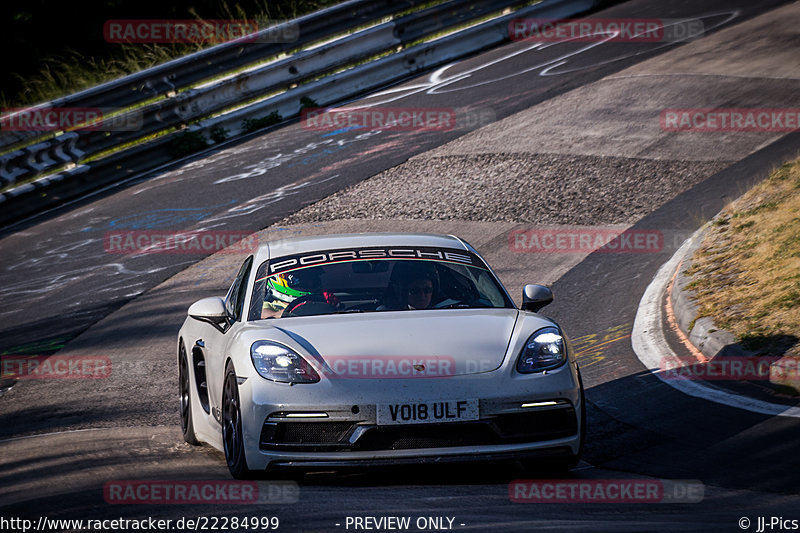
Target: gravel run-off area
[518,187]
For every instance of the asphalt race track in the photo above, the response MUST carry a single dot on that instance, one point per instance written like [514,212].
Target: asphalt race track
[61,287]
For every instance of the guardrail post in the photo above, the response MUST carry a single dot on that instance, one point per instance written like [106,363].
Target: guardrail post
[38,158]
[68,151]
[9,167]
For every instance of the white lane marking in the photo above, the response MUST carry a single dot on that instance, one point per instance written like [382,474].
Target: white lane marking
[438,80]
[729,16]
[650,346]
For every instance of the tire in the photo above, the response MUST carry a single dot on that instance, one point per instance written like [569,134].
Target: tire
[232,441]
[560,465]
[185,391]
[577,457]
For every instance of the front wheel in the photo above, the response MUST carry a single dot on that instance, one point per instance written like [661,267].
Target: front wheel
[184,389]
[232,440]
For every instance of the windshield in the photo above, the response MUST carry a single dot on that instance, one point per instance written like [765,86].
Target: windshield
[374,280]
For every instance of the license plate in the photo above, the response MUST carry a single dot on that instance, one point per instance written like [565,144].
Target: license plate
[427,412]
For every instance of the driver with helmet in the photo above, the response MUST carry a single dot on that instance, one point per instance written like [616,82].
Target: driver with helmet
[284,288]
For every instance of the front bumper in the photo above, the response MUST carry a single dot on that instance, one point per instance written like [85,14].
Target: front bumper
[438,459]
[532,425]
[311,426]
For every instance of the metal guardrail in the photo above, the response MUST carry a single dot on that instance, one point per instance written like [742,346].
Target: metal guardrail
[167,79]
[201,104]
[195,104]
[205,64]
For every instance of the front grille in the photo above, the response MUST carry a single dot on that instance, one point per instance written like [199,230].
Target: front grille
[304,434]
[534,426]
[426,436]
[537,425]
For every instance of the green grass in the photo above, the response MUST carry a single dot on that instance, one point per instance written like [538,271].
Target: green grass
[70,71]
[747,274]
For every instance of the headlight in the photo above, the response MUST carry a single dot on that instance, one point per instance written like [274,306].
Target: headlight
[544,350]
[277,362]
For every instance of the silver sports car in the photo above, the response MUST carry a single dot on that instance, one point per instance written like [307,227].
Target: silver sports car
[377,349]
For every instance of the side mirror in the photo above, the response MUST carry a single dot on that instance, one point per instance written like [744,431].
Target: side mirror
[534,297]
[211,310]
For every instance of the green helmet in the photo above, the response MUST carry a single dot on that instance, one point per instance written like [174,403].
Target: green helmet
[291,285]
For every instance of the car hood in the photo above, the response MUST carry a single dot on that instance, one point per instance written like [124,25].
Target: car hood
[422,343]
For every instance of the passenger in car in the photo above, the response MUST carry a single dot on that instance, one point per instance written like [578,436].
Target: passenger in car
[419,293]
[413,285]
